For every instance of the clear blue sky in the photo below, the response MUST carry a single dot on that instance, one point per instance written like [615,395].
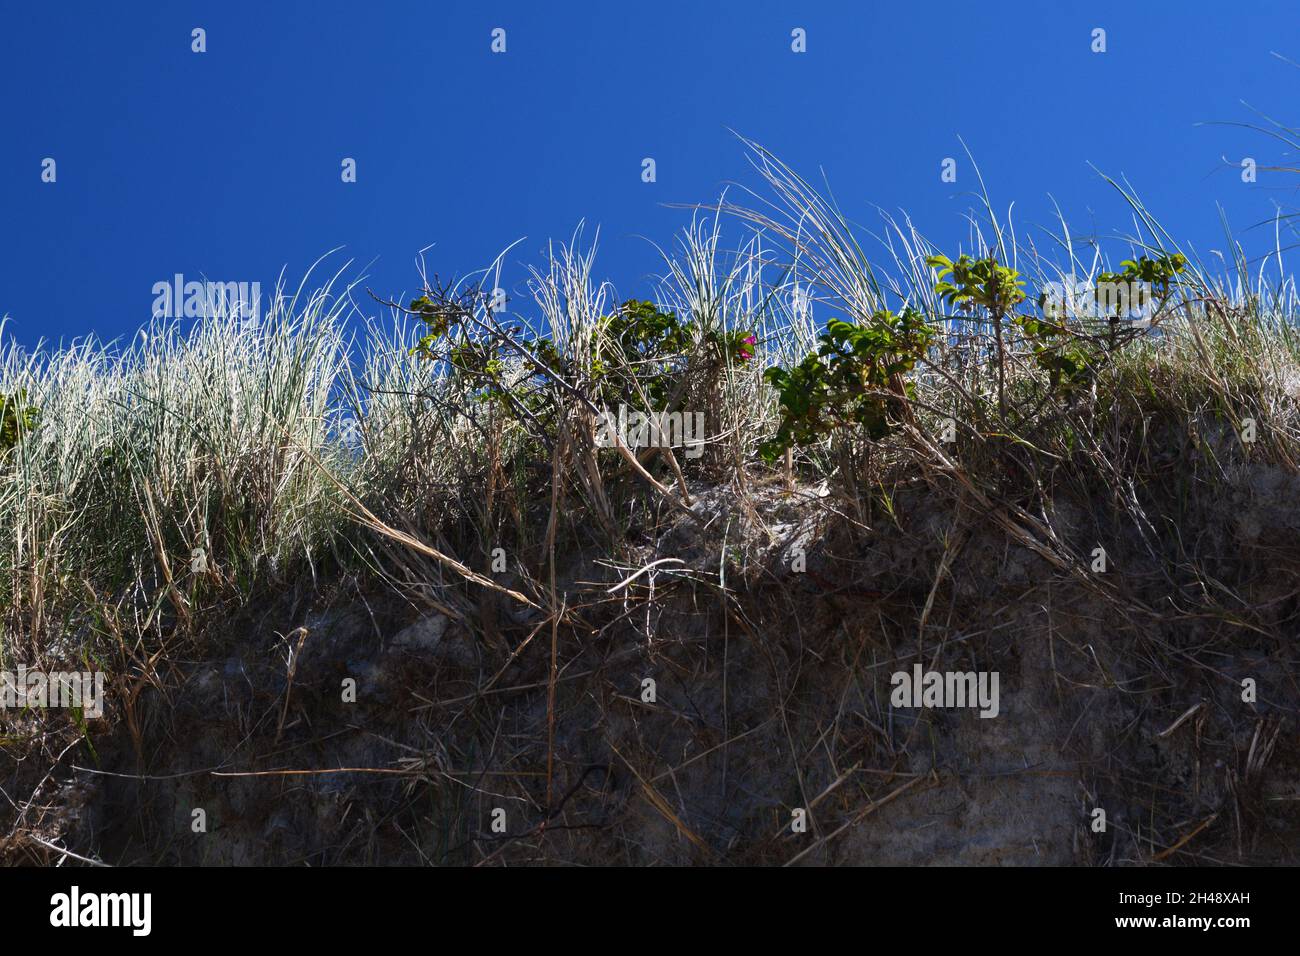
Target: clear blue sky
[226,164]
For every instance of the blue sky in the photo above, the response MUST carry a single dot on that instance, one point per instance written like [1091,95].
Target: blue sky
[226,164]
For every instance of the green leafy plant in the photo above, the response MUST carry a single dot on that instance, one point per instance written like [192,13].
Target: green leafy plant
[977,282]
[1067,359]
[638,355]
[481,367]
[440,315]
[736,345]
[640,349]
[17,418]
[637,348]
[471,356]
[969,283]
[1066,356]
[642,330]
[1161,273]
[854,379]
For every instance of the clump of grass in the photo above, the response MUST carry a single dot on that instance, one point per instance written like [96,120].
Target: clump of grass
[178,464]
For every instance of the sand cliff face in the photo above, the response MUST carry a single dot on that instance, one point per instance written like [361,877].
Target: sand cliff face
[1139,720]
